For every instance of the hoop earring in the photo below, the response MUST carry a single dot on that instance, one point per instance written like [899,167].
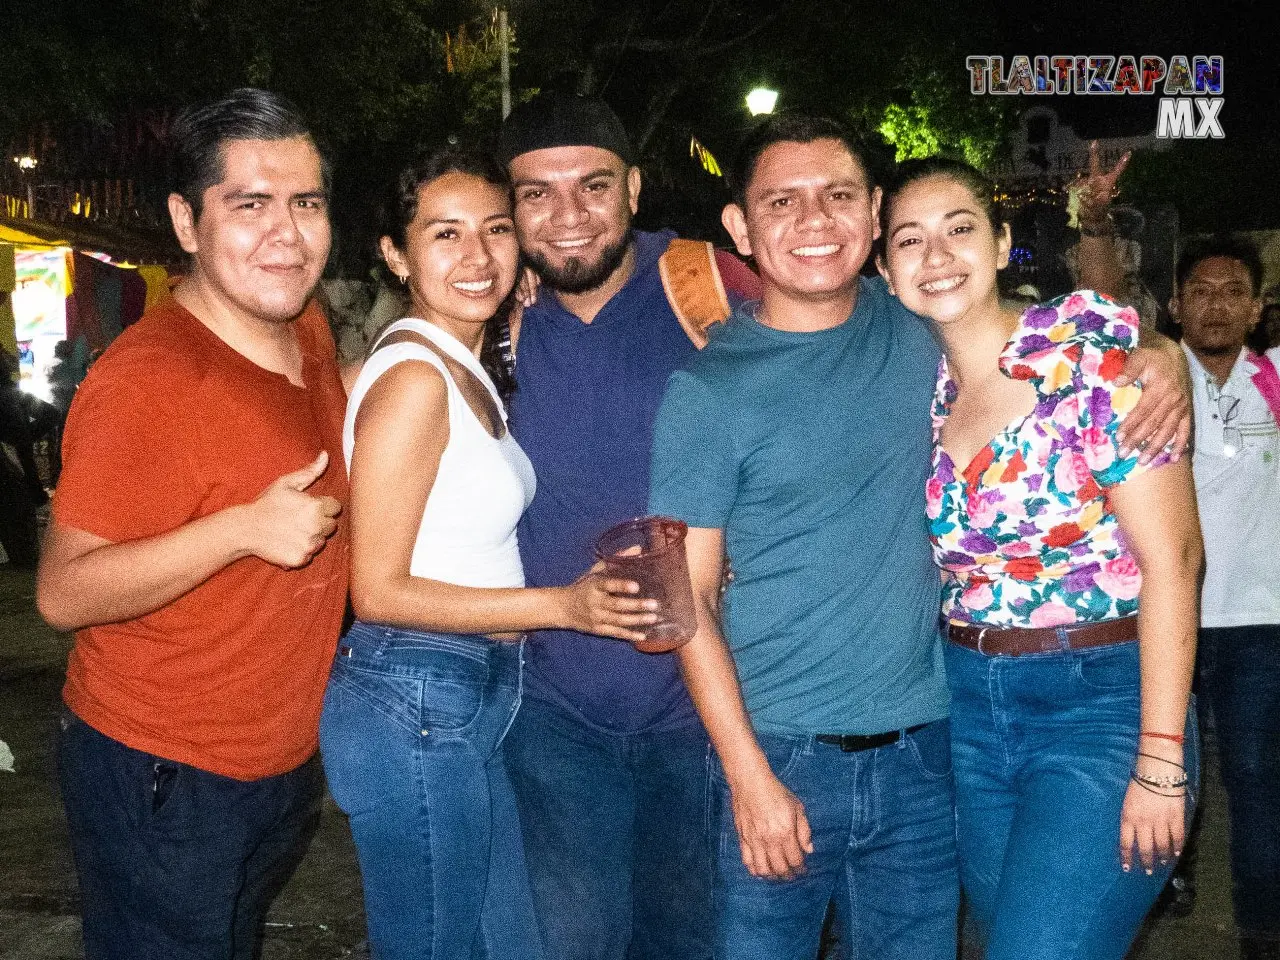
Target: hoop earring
[404,279]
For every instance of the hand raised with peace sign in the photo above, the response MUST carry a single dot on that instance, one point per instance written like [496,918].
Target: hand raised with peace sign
[1095,190]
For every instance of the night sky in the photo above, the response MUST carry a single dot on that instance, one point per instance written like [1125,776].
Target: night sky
[1241,33]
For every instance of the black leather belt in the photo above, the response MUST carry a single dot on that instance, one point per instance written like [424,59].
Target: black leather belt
[854,742]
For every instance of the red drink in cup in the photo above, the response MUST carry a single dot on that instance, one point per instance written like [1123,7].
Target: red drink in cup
[650,551]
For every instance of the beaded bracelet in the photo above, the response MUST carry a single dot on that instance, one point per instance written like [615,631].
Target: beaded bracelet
[1161,783]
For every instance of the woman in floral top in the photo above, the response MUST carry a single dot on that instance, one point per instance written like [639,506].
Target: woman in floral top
[1074,758]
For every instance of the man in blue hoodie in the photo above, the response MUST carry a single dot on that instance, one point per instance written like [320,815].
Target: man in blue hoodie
[607,754]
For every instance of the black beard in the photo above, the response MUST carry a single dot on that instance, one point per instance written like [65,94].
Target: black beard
[578,276]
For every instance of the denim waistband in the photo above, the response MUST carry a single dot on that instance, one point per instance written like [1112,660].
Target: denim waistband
[375,639]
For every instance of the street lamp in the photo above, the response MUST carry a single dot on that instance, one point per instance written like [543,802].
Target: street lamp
[761,100]
[26,164]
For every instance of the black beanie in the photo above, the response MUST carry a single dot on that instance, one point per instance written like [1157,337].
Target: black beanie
[557,119]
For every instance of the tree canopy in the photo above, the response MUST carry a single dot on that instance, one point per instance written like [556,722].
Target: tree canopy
[90,87]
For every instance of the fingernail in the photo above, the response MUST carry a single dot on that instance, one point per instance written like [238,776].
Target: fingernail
[1124,867]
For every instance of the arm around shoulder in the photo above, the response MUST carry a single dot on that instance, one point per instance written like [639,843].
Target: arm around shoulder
[1163,415]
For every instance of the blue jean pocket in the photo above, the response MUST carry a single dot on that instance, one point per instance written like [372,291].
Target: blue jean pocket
[420,705]
[448,707]
[931,748]
[1112,669]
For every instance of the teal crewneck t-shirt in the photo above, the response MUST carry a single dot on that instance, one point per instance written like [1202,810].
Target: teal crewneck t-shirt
[811,452]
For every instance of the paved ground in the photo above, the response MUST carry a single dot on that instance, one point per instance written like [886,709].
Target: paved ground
[319,917]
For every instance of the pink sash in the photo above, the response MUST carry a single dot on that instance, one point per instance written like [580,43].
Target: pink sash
[1267,380]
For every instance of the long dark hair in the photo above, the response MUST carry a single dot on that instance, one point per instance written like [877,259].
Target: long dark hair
[401,207]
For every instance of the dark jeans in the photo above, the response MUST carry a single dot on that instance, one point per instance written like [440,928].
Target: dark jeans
[615,834]
[1240,677]
[883,828]
[176,863]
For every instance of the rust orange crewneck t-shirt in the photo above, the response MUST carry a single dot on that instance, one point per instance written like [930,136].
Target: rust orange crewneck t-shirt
[172,425]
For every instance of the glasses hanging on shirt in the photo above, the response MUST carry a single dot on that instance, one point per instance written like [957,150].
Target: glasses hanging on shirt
[1228,409]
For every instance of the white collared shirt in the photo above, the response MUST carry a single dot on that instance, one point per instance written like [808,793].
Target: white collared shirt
[1237,472]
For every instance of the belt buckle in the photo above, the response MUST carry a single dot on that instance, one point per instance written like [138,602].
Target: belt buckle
[982,634]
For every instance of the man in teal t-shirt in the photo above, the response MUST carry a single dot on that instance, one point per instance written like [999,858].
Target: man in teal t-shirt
[799,440]
[799,443]
[810,450]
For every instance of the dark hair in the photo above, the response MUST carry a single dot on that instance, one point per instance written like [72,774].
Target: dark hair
[1222,245]
[967,175]
[200,133]
[787,127]
[401,206]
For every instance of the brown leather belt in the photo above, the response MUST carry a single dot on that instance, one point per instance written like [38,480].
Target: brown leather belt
[1018,641]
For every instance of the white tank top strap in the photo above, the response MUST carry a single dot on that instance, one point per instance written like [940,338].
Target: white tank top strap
[384,358]
[447,345]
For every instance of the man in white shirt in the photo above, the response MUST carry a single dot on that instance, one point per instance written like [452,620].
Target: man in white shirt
[1237,470]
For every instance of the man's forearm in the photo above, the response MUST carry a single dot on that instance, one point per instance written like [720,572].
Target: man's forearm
[712,680]
[85,580]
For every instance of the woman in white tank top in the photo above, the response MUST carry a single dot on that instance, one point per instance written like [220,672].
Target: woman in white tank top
[427,680]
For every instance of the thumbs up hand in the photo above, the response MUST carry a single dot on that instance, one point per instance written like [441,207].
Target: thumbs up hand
[287,525]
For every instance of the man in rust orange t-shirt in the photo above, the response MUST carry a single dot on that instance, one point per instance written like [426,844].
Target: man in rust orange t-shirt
[198,550]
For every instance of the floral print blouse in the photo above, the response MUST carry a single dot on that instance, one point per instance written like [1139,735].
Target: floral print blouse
[1025,532]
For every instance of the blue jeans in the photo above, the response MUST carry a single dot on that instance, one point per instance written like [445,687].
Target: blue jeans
[411,734]
[1043,747]
[883,829]
[616,836]
[1240,677]
[174,862]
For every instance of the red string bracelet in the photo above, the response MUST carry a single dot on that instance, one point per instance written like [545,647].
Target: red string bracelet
[1172,737]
